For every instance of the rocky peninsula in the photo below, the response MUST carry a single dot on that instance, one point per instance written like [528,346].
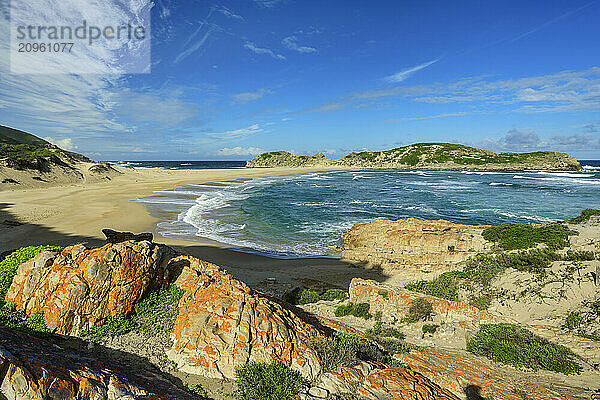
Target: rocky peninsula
[426,156]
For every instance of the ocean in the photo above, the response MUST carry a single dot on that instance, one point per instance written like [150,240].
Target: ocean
[304,215]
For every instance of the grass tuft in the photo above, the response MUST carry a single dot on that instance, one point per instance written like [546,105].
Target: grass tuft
[272,381]
[358,310]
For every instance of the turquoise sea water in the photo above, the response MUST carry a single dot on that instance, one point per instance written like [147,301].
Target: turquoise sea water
[302,215]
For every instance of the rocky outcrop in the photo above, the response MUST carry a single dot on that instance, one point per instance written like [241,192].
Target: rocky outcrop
[33,369]
[118,237]
[461,373]
[412,245]
[425,156]
[223,324]
[372,383]
[80,287]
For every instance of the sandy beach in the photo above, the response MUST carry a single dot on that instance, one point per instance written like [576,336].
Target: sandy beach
[70,214]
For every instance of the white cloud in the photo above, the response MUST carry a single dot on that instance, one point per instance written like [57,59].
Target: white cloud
[406,73]
[237,134]
[228,13]
[290,43]
[248,97]
[447,115]
[240,151]
[65,144]
[262,50]
[268,3]
[516,140]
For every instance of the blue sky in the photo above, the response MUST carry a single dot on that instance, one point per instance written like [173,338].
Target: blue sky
[232,79]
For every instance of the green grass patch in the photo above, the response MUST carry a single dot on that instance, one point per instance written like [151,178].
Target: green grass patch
[445,286]
[429,328]
[524,236]
[272,381]
[510,344]
[8,266]
[156,313]
[358,310]
[334,294]
[585,216]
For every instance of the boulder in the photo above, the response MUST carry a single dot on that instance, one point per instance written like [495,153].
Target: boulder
[412,245]
[33,369]
[80,287]
[223,324]
[118,237]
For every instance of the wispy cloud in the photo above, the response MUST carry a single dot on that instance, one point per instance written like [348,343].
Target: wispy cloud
[228,13]
[195,46]
[269,3]
[248,97]
[406,73]
[447,115]
[240,151]
[262,50]
[237,134]
[290,43]
[516,140]
[560,92]
[65,144]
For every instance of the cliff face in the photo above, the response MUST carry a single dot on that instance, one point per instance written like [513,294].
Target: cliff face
[412,245]
[426,156]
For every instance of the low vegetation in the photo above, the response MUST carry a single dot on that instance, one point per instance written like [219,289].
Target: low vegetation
[360,310]
[343,349]
[482,269]
[300,296]
[585,321]
[155,314]
[516,346]
[381,331]
[419,310]
[585,216]
[524,236]
[272,381]
[429,328]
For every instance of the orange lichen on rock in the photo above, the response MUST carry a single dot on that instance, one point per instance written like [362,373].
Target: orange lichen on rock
[457,371]
[78,287]
[223,324]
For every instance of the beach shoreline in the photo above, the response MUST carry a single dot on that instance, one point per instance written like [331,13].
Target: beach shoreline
[67,215]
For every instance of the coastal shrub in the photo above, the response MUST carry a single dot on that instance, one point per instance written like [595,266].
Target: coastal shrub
[516,346]
[445,286]
[573,320]
[379,330]
[481,302]
[419,310]
[272,381]
[358,310]
[524,236]
[12,318]
[156,313]
[584,216]
[429,328]
[199,391]
[344,349]
[8,266]
[334,294]
[579,255]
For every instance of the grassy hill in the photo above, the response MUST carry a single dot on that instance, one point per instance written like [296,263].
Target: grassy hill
[22,150]
[425,156]
[15,136]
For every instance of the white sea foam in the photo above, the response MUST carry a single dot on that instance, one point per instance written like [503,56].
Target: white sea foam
[500,184]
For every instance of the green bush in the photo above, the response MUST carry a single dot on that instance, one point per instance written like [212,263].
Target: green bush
[573,321]
[524,236]
[379,330]
[513,345]
[14,319]
[358,310]
[199,391]
[585,216]
[481,302]
[334,294]
[445,286]
[419,310]
[8,266]
[273,381]
[300,296]
[429,328]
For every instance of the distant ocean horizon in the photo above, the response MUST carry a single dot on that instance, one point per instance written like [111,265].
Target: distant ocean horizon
[305,214]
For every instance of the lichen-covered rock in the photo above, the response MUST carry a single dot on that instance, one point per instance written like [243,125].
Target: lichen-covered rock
[379,383]
[33,369]
[223,324]
[412,245]
[78,287]
[456,371]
